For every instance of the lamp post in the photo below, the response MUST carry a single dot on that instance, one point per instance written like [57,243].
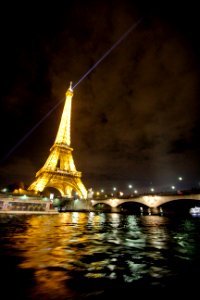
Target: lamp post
[173,187]
[130,187]
[114,191]
[180,178]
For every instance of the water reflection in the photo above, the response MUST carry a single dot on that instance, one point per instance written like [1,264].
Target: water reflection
[80,255]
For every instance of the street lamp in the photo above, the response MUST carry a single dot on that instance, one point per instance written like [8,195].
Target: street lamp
[180,178]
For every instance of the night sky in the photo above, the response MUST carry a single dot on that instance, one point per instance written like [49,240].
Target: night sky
[135,117]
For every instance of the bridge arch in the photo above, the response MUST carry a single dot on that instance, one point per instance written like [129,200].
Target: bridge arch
[133,207]
[100,206]
[179,205]
[51,190]
[150,201]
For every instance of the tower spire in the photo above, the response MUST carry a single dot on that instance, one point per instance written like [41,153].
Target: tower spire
[70,86]
[64,135]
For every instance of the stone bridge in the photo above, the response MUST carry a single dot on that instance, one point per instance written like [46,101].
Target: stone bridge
[145,203]
[151,201]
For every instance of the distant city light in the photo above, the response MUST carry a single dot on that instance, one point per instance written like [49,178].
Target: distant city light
[180,178]
[130,186]
[173,187]
[152,190]
[135,191]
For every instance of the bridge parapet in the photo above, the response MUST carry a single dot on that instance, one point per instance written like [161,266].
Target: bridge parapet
[151,201]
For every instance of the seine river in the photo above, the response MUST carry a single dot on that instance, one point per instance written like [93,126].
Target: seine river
[76,255]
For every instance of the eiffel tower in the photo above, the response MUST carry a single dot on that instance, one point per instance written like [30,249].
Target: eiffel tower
[59,170]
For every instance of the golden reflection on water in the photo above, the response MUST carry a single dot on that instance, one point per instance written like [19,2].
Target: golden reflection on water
[48,248]
[50,241]
[54,247]
[51,285]
[92,245]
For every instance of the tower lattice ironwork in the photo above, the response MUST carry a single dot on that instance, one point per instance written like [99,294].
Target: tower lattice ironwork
[59,170]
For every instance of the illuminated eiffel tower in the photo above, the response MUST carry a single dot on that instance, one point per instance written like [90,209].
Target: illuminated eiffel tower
[59,170]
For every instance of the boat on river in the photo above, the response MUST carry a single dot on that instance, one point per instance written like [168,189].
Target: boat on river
[19,205]
[195,210]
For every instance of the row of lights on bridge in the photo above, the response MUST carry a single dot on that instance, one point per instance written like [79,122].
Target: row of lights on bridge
[114,190]
[130,186]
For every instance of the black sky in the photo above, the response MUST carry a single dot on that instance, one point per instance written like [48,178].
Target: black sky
[135,118]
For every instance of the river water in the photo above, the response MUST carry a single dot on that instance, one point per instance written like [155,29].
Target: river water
[77,255]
